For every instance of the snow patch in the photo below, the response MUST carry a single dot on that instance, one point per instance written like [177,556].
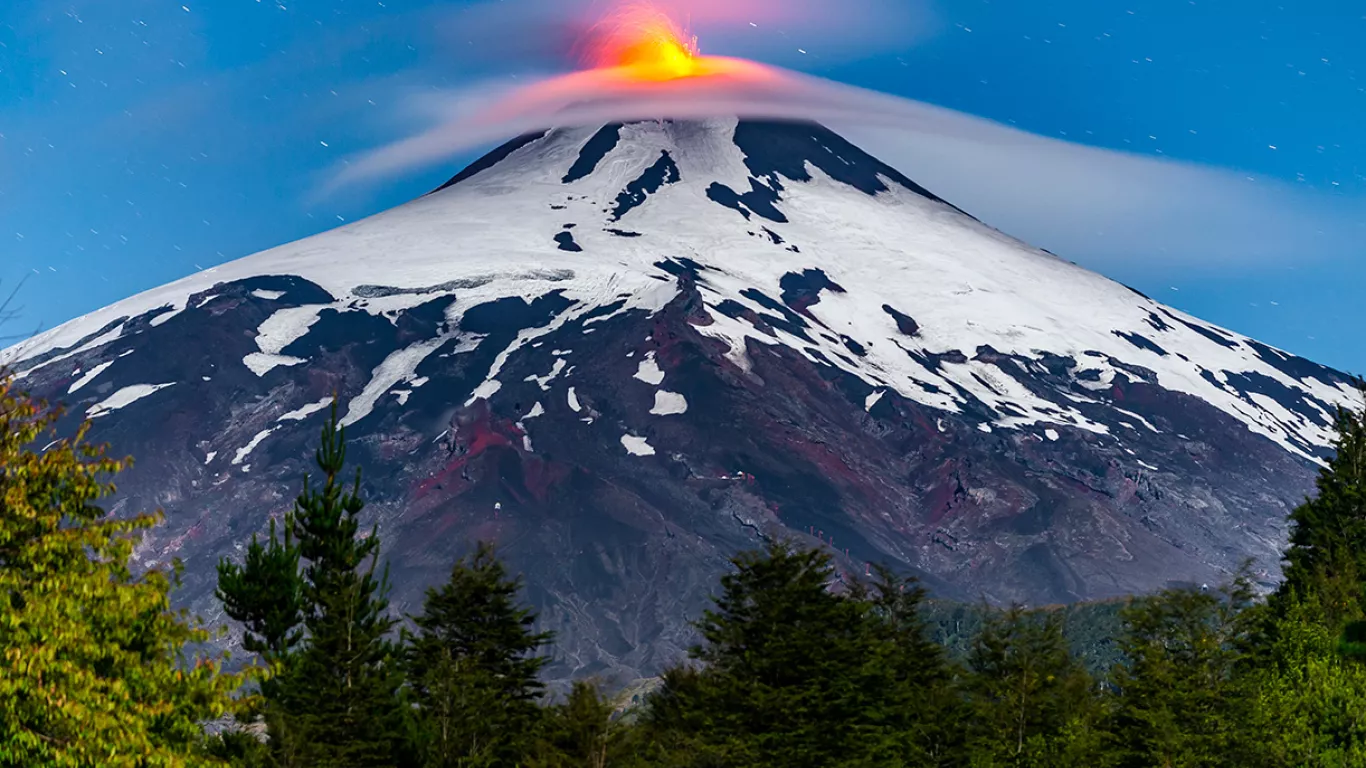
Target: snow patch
[574,404]
[268,295]
[873,399]
[484,391]
[1140,419]
[637,446]
[246,450]
[669,404]
[16,352]
[306,411]
[536,410]
[649,371]
[165,317]
[397,367]
[279,331]
[123,398]
[261,363]
[89,377]
[544,381]
[1051,434]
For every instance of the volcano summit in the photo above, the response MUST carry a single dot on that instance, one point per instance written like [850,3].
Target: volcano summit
[625,352]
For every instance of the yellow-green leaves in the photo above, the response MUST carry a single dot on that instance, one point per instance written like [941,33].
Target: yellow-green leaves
[92,657]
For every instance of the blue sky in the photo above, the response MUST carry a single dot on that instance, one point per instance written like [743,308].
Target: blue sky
[143,139]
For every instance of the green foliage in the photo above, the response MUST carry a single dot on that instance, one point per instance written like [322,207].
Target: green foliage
[1326,560]
[1181,701]
[93,666]
[1091,629]
[345,680]
[239,748]
[1030,701]
[581,732]
[794,674]
[265,593]
[797,665]
[333,697]
[1311,702]
[1352,643]
[919,704]
[473,667]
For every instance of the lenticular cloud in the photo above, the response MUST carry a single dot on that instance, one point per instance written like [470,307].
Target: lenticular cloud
[1097,203]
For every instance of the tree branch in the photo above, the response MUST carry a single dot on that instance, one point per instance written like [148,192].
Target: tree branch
[9,312]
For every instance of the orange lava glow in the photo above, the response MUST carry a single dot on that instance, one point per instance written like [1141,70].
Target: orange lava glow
[641,42]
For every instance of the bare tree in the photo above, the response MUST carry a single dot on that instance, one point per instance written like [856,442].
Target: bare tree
[9,312]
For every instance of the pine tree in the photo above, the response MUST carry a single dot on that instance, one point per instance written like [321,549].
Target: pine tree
[676,721]
[581,732]
[265,594]
[314,608]
[919,704]
[346,679]
[1181,698]
[473,667]
[1325,564]
[1030,701]
[1309,673]
[93,661]
[792,674]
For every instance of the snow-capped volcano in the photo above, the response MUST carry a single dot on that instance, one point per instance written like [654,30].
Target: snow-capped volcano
[626,351]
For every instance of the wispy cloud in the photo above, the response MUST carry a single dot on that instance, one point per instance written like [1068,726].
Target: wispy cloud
[1100,204]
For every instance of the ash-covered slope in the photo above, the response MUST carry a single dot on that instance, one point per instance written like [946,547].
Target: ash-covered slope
[625,352]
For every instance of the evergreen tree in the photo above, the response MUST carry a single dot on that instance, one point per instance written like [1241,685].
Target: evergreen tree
[265,594]
[676,721]
[346,679]
[473,667]
[1309,672]
[1181,700]
[792,673]
[1325,563]
[1031,703]
[919,703]
[314,608]
[582,733]
[93,661]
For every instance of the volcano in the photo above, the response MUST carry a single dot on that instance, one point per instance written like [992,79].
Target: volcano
[626,352]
